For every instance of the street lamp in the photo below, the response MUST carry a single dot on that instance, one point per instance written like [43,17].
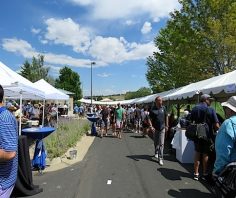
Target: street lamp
[92,63]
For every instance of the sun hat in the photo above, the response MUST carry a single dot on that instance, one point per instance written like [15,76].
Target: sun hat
[230,103]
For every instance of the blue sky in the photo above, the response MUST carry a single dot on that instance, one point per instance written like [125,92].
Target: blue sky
[116,34]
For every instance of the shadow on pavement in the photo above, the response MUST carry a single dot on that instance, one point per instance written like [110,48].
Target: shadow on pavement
[142,157]
[180,193]
[110,136]
[172,174]
[138,136]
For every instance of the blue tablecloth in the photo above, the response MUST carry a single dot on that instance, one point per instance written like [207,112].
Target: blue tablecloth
[38,132]
[91,114]
[93,119]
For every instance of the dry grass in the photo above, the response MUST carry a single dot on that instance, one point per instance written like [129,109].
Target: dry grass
[66,136]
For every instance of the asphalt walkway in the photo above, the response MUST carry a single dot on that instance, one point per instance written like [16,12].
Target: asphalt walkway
[126,168]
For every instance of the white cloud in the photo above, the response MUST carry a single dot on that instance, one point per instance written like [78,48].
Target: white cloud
[18,46]
[147,27]
[130,22]
[82,2]
[123,9]
[62,59]
[23,48]
[108,49]
[44,41]
[105,49]
[67,32]
[104,92]
[35,31]
[104,75]
[113,50]
[54,70]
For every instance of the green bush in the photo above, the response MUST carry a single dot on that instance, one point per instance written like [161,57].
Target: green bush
[66,136]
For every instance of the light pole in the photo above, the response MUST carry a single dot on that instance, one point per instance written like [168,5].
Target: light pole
[92,63]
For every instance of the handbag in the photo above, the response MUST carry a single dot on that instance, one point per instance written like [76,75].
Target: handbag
[196,131]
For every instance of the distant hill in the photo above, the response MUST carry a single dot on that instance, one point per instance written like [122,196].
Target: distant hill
[115,97]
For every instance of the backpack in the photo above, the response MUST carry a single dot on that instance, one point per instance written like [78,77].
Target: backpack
[145,120]
[198,130]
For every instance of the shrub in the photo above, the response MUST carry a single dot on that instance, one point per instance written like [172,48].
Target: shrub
[68,133]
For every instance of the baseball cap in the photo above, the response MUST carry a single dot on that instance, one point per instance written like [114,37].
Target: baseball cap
[205,97]
[10,106]
[230,103]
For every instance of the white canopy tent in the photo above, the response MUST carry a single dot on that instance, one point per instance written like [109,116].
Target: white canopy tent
[51,93]
[219,86]
[16,85]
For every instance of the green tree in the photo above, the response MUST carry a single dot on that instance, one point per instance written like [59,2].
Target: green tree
[143,91]
[70,81]
[98,98]
[36,70]
[198,42]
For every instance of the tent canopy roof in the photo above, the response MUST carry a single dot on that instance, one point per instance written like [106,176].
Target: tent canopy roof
[51,93]
[16,85]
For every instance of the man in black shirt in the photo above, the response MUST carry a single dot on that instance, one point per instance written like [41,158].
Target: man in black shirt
[159,125]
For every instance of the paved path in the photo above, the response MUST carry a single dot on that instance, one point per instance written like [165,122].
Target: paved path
[130,168]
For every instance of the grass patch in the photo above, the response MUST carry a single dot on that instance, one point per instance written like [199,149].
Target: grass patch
[69,132]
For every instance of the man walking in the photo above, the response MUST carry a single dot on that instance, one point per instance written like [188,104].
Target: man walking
[8,150]
[203,113]
[119,117]
[159,124]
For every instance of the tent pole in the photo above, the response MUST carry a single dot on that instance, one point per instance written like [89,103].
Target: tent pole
[20,113]
[57,114]
[43,112]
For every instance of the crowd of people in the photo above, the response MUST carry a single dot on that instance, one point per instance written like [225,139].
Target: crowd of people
[119,118]
[142,119]
[34,111]
[213,153]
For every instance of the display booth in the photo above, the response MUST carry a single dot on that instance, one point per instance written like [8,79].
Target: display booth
[184,147]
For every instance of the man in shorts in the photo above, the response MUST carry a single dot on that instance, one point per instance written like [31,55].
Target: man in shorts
[119,117]
[201,113]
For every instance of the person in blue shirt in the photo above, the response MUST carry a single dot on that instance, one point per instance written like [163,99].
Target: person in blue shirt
[225,143]
[8,149]
[203,113]
[76,109]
